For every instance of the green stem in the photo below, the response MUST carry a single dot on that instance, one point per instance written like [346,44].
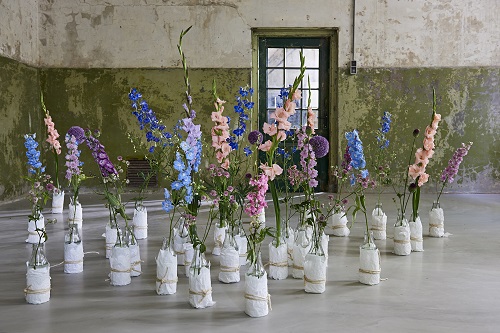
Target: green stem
[274,194]
[442,188]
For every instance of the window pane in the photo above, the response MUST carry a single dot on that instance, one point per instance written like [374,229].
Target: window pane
[314,98]
[275,57]
[312,57]
[296,119]
[292,57]
[316,120]
[275,78]
[273,98]
[290,75]
[313,76]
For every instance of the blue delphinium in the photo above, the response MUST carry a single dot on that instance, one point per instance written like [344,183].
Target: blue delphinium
[356,151]
[242,108]
[33,154]
[383,130]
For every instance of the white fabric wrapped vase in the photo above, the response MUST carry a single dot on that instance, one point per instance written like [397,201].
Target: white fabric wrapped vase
[402,246]
[58,202]
[73,257]
[140,222]
[416,237]
[315,273]
[379,223]
[278,261]
[325,239]
[338,225]
[180,237]
[257,298]
[33,236]
[111,237]
[37,289]
[299,254]
[219,235]
[289,245]
[369,265]
[166,272]
[229,265]
[120,266]
[436,221]
[242,248]
[135,260]
[200,288]
[188,256]
[75,215]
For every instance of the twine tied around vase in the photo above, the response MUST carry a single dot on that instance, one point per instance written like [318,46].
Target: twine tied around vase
[29,291]
[203,293]
[72,262]
[377,228]
[417,239]
[279,264]
[440,225]
[306,279]
[140,226]
[401,241]
[114,270]
[368,271]
[164,281]
[260,298]
[301,268]
[338,226]
[229,269]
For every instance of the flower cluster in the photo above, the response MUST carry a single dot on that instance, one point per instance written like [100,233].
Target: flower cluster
[383,130]
[320,145]
[256,200]
[242,103]
[422,155]
[73,164]
[255,137]
[33,154]
[53,135]
[220,135]
[454,163]
[307,158]
[100,156]
[155,130]
[355,148]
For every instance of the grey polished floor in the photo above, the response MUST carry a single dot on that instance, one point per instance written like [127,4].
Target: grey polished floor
[454,286]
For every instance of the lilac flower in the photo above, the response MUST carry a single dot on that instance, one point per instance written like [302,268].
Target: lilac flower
[100,156]
[78,133]
[320,146]
[454,163]
[73,163]
[255,137]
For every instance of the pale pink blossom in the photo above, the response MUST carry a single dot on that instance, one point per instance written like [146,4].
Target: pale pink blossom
[284,125]
[311,117]
[281,136]
[290,107]
[266,146]
[53,135]
[271,172]
[225,164]
[429,143]
[414,171]
[421,157]
[423,179]
[297,94]
[269,129]
[429,132]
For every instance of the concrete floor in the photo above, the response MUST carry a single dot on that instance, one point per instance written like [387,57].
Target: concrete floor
[454,286]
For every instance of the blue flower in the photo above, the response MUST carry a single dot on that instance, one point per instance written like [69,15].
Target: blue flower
[151,149]
[33,154]
[355,147]
[364,173]
[176,185]
[247,151]
[178,163]
[166,193]
[167,205]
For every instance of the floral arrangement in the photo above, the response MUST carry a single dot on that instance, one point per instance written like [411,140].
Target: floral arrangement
[451,170]
[74,172]
[381,162]
[54,144]
[40,183]
[277,134]
[338,201]
[359,178]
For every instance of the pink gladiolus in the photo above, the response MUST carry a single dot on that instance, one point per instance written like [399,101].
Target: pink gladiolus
[423,179]
[269,129]
[281,136]
[285,125]
[290,107]
[225,164]
[429,143]
[53,135]
[311,117]
[429,132]
[421,157]
[297,94]
[271,171]
[414,171]
[266,146]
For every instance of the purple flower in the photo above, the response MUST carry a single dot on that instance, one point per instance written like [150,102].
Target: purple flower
[454,163]
[255,137]
[320,146]
[101,158]
[78,133]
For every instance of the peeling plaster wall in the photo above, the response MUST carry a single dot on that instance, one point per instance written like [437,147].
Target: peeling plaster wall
[393,33]
[19,30]
[19,114]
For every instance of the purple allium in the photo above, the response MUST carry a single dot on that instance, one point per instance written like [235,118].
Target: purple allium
[454,163]
[255,137]
[78,133]
[320,146]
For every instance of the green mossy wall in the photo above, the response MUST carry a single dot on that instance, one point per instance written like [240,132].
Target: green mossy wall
[98,99]
[19,106]
[468,100]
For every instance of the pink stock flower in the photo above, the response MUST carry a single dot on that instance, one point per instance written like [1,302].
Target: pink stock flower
[266,146]
[269,129]
[271,171]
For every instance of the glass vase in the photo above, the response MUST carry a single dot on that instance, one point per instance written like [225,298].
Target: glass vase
[436,220]
[369,261]
[402,245]
[38,286]
[120,262]
[257,299]
[200,285]
[73,250]
[166,270]
[378,222]
[301,247]
[229,260]
[315,266]
[416,237]
[135,255]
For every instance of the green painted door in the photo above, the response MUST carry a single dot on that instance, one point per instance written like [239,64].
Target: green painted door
[279,64]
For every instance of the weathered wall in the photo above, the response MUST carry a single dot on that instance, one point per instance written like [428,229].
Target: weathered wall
[19,114]
[467,98]
[98,99]
[19,30]
[392,33]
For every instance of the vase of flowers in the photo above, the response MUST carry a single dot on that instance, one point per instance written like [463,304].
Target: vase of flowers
[74,174]
[120,263]
[38,286]
[140,221]
[135,253]
[200,285]
[257,298]
[181,236]
[73,251]
[337,216]
[229,260]
[369,262]
[402,245]
[166,270]
[315,262]
[382,170]
[436,214]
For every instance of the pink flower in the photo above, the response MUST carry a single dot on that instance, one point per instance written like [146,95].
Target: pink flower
[430,132]
[429,143]
[297,94]
[290,107]
[266,146]
[311,117]
[280,115]
[423,179]
[284,125]
[435,121]
[225,164]
[269,129]
[414,171]
[421,157]
[281,136]
[428,154]
[271,172]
